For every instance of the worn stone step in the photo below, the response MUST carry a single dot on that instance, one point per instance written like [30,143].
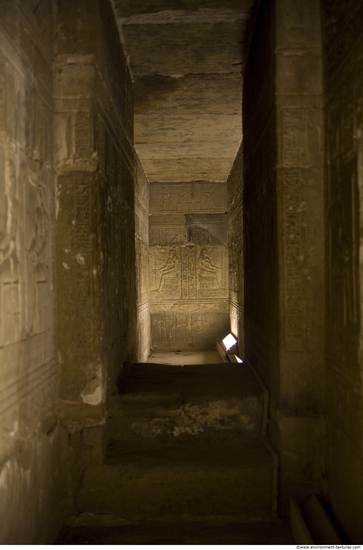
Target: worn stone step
[178,532]
[162,401]
[184,479]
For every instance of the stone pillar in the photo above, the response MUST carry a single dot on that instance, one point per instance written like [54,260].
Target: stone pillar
[142,263]
[297,405]
[343,66]
[82,377]
[235,249]
[94,159]
[284,232]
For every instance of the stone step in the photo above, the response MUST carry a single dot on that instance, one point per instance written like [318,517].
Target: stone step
[192,478]
[162,401]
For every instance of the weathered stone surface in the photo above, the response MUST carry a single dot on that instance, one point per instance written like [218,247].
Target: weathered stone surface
[343,131]
[192,94]
[177,436]
[188,264]
[191,401]
[189,169]
[79,228]
[142,263]
[186,282]
[236,250]
[188,197]
[207,229]
[32,476]
[187,98]
[283,225]
[222,55]
[130,7]
[95,162]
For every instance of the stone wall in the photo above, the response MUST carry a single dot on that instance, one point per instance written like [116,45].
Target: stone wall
[259,198]
[343,62]
[32,443]
[67,250]
[142,263]
[188,260]
[235,247]
[298,409]
[284,200]
[95,214]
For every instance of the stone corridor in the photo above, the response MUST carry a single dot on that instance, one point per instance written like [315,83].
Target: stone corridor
[170,172]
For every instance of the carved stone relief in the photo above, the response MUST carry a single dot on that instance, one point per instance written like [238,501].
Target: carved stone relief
[9,255]
[188,263]
[182,198]
[37,250]
[293,153]
[167,229]
[185,280]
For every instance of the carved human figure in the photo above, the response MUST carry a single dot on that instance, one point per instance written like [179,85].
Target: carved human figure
[206,263]
[37,249]
[168,268]
[8,225]
[207,268]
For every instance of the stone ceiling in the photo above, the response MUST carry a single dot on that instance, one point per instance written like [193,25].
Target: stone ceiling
[186,62]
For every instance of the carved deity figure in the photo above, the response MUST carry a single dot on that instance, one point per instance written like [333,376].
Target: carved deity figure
[206,263]
[168,268]
[37,249]
[8,224]
[208,269]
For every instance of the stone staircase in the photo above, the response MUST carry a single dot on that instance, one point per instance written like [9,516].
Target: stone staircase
[183,444]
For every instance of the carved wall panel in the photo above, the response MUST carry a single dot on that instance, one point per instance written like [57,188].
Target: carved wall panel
[26,227]
[188,263]
[188,272]
[176,331]
[29,374]
[183,280]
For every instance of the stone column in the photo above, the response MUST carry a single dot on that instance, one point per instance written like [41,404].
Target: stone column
[297,406]
[82,388]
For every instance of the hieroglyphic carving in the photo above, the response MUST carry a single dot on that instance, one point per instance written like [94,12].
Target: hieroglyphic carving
[292,137]
[37,250]
[172,330]
[293,249]
[166,273]
[207,328]
[9,261]
[167,229]
[212,272]
[9,224]
[194,197]
[293,158]
[83,132]
[185,276]
[84,274]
